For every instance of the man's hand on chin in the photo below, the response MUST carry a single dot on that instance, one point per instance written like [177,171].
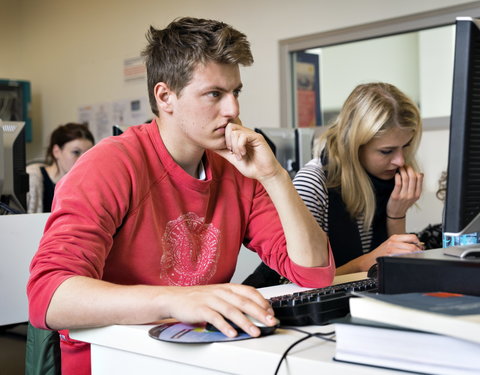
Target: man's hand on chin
[249,152]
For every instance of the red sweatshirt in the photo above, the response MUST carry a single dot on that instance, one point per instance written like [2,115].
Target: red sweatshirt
[128,214]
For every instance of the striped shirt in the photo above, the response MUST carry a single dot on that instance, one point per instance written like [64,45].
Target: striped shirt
[311,184]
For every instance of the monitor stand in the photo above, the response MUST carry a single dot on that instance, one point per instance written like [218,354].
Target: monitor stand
[468,236]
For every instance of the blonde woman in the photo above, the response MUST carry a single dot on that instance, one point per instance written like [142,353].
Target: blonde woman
[365,177]
[363,180]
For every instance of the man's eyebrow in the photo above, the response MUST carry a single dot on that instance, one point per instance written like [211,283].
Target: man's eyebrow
[218,88]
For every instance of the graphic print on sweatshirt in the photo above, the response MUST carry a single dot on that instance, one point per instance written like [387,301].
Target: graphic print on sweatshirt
[190,251]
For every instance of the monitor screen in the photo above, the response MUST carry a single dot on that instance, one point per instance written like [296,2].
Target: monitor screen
[462,205]
[14,189]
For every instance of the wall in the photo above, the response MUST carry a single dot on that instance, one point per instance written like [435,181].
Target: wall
[392,59]
[11,39]
[436,61]
[73,52]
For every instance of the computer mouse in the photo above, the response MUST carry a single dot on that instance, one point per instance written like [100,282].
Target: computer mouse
[264,329]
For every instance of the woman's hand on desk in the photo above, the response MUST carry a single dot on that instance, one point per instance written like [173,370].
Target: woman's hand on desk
[215,303]
[396,244]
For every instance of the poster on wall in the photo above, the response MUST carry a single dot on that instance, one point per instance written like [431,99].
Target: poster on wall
[307,90]
[131,111]
[101,117]
[98,117]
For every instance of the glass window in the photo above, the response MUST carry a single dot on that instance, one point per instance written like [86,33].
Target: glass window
[419,63]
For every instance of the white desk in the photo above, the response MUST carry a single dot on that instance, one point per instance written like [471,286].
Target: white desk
[19,238]
[128,349]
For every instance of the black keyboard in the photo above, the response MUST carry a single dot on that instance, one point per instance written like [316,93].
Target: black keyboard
[318,306]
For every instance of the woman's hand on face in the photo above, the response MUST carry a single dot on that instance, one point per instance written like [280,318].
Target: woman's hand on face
[407,190]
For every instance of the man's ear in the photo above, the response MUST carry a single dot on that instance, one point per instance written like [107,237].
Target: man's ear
[163,97]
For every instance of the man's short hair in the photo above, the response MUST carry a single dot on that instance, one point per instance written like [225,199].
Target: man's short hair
[173,53]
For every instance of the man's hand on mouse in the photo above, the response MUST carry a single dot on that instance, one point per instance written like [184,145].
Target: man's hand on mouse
[215,303]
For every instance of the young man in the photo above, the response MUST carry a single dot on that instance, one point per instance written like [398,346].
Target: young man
[146,220]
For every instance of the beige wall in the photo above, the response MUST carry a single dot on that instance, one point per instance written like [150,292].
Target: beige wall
[10,39]
[73,51]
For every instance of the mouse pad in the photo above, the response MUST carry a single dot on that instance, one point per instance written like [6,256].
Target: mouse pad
[190,334]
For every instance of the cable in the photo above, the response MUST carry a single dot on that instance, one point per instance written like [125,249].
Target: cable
[9,209]
[318,335]
[289,348]
[294,328]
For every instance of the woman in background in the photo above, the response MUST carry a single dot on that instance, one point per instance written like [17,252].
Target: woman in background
[363,180]
[67,143]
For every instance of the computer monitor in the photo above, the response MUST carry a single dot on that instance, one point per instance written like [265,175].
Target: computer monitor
[119,129]
[14,189]
[15,103]
[293,147]
[282,143]
[462,205]
[2,167]
[304,144]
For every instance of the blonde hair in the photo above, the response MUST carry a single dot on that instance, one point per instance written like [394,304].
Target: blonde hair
[370,110]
